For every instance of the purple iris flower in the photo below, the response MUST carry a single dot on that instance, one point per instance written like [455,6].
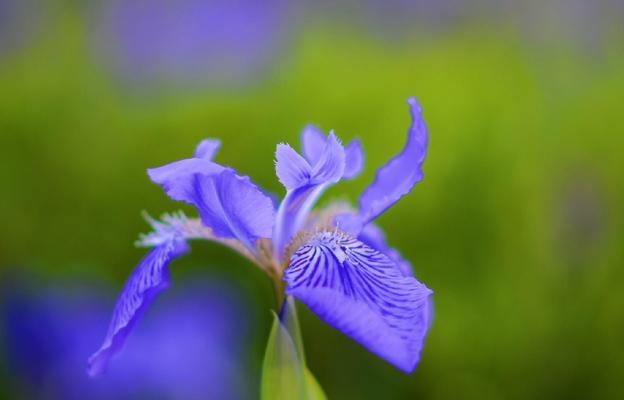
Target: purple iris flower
[190,41]
[334,260]
[47,336]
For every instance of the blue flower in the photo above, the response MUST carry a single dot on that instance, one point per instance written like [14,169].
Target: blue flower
[334,260]
[47,333]
[189,43]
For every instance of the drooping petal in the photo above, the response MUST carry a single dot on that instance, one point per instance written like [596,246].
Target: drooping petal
[148,279]
[292,170]
[301,194]
[233,207]
[374,237]
[400,174]
[363,294]
[207,148]
[354,159]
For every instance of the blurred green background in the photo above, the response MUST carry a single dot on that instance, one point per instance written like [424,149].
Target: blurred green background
[517,226]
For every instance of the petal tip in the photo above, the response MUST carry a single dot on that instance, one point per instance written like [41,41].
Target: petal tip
[335,140]
[207,148]
[95,365]
[291,169]
[415,108]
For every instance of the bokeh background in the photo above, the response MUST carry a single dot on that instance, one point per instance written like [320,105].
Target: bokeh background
[518,226]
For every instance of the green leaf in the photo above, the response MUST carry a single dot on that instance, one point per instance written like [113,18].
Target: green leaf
[282,376]
[288,317]
[284,372]
[313,389]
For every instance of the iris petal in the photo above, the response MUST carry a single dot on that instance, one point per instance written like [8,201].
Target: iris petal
[312,143]
[354,159]
[374,237]
[148,279]
[292,170]
[175,177]
[233,207]
[400,174]
[229,204]
[302,193]
[207,148]
[330,166]
[362,293]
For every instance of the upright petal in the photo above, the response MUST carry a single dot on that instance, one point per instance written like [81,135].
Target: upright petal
[148,279]
[302,193]
[354,159]
[207,148]
[330,166]
[400,174]
[292,213]
[312,143]
[362,293]
[291,169]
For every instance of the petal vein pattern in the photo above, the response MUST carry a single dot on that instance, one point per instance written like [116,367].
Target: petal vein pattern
[362,293]
[147,280]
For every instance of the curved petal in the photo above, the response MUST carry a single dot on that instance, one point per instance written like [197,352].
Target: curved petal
[175,177]
[330,166]
[400,174]
[233,207]
[313,145]
[147,280]
[291,169]
[354,159]
[363,294]
[302,193]
[229,204]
